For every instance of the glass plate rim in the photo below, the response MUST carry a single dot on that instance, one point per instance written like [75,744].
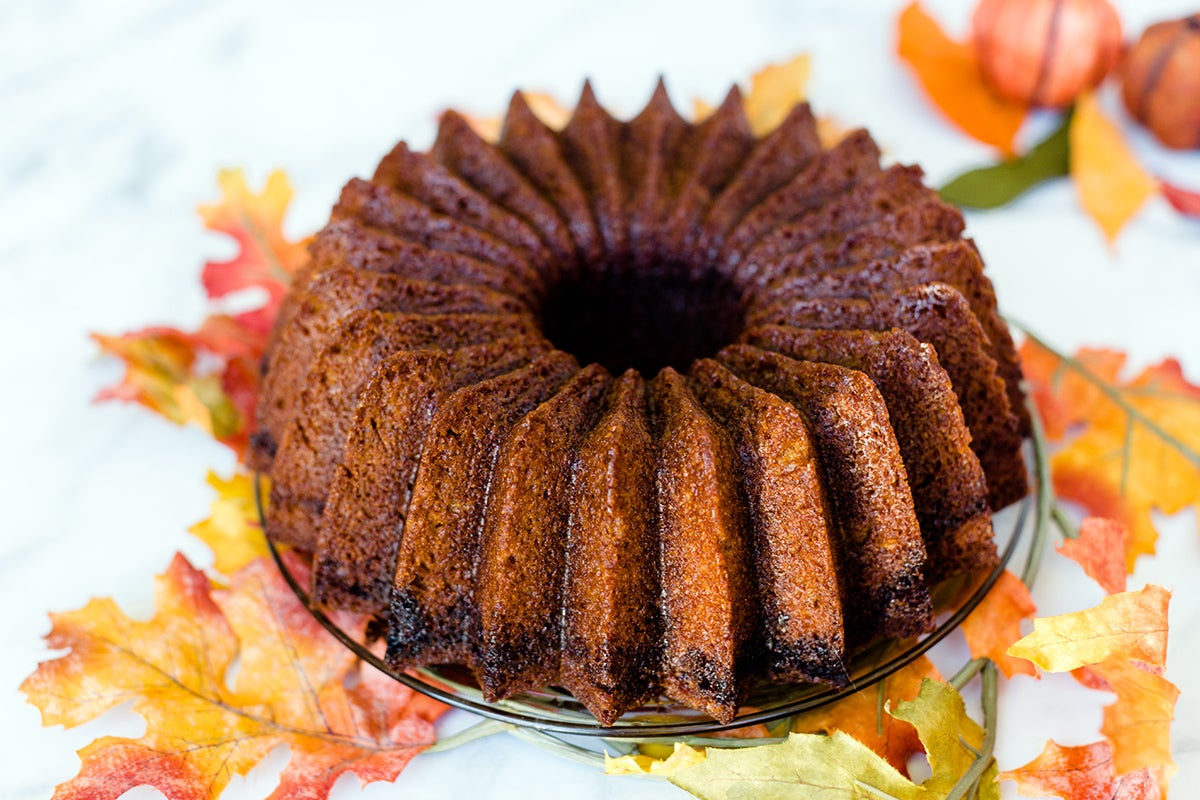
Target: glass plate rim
[633,729]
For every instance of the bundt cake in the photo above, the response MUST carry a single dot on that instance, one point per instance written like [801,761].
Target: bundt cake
[640,408]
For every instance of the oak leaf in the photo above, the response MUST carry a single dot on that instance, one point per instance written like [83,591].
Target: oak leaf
[266,259]
[774,90]
[949,73]
[1132,625]
[210,377]
[1111,184]
[1081,773]
[861,714]
[1137,445]
[1139,723]
[996,623]
[1100,550]
[295,685]
[232,529]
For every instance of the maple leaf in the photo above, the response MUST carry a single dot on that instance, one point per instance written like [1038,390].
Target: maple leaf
[232,529]
[1138,442]
[952,739]
[1110,182]
[1081,773]
[995,624]
[295,685]
[1100,550]
[1129,624]
[861,714]
[949,73]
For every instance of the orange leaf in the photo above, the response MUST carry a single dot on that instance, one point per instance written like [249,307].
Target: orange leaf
[1081,773]
[295,685]
[862,715]
[949,73]
[1139,445]
[996,623]
[1139,723]
[1111,184]
[1100,550]
[232,529]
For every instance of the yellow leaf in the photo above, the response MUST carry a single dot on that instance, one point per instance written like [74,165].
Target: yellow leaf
[951,738]
[232,529]
[949,73]
[1111,184]
[862,715]
[774,90]
[682,757]
[1132,625]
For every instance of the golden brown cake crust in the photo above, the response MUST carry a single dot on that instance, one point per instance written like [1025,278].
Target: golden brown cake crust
[818,404]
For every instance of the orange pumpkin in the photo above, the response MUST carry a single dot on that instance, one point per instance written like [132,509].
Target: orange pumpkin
[1045,52]
[1162,81]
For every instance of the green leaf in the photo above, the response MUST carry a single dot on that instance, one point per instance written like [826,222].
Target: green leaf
[839,767]
[997,185]
[807,765]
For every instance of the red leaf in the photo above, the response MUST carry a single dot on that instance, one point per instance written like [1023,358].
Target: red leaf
[1184,201]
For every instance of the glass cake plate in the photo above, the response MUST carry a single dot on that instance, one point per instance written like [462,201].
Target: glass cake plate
[555,711]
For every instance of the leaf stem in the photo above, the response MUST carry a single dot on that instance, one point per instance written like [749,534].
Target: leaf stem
[1063,522]
[481,729]
[988,701]
[559,747]
[1115,395]
[1045,499]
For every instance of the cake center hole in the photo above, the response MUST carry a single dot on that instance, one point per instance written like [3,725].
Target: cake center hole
[647,319]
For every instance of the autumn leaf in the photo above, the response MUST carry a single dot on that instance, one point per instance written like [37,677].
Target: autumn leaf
[1132,625]
[996,623]
[1182,200]
[949,73]
[952,740]
[774,90]
[265,258]
[1100,550]
[210,377]
[232,529]
[1110,182]
[809,765]
[1138,724]
[861,714]
[1081,773]
[162,373]
[295,685]
[1137,446]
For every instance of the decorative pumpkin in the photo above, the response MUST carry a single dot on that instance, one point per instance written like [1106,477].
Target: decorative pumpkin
[1045,52]
[1162,81]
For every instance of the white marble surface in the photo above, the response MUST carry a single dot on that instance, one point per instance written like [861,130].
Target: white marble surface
[114,117]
